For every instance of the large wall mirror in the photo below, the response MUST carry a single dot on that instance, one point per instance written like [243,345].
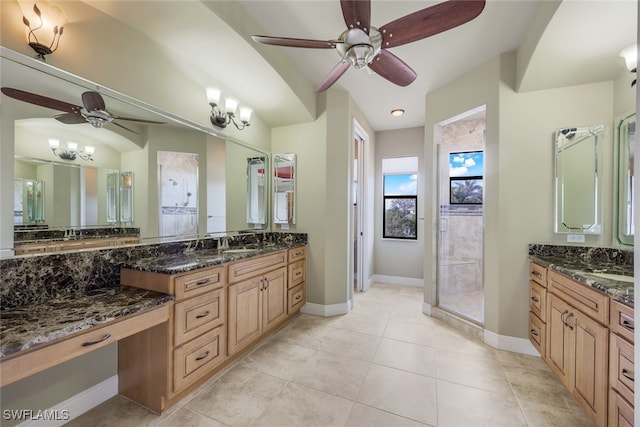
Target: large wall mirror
[578,186]
[625,135]
[284,189]
[119,185]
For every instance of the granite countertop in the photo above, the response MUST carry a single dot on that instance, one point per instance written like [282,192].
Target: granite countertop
[27,326]
[185,262]
[583,272]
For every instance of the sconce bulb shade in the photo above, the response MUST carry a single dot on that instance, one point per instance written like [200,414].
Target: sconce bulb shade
[89,150]
[245,114]
[630,55]
[73,146]
[213,95]
[54,143]
[230,105]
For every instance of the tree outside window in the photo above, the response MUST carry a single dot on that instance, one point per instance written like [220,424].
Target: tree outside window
[400,206]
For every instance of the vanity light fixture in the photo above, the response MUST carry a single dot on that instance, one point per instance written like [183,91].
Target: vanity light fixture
[630,55]
[50,25]
[221,118]
[71,153]
[397,112]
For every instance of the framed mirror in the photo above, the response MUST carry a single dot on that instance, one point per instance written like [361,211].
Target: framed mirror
[284,189]
[120,151]
[578,187]
[625,135]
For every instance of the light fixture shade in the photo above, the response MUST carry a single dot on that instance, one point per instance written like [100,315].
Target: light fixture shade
[73,146]
[89,149]
[630,55]
[230,105]
[213,95]
[245,114]
[54,143]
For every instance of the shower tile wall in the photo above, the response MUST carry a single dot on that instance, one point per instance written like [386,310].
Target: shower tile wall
[179,193]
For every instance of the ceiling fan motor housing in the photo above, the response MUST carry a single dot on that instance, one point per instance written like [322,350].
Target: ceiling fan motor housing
[358,47]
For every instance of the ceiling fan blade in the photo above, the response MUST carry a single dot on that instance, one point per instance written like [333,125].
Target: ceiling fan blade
[125,128]
[40,100]
[430,21]
[93,101]
[291,42]
[131,119]
[392,68]
[333,76]
[71,119]
[357,14]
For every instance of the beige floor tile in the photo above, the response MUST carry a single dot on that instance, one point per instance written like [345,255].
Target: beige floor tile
[551,416]
[297,405]
[407,357]
[365,323]
[479,372]
[365,416]
[239,397]
[348,343]
[460,405]
[117,411]
[399,392]
[278,358]
[333,374]
[184,417]
[539,386]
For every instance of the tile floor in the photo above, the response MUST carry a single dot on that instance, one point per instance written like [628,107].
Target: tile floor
[383,364]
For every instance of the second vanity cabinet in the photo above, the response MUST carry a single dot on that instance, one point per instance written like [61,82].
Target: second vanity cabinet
[621,367]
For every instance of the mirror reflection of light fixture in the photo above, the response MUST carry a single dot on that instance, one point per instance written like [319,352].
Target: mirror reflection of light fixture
[72,152]
[630,55]
[222,118]
[49,22]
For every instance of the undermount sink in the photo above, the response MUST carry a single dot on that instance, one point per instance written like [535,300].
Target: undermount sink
[611,276]
[239,251]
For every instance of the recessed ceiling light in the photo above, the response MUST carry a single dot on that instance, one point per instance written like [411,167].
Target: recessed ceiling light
[397,112]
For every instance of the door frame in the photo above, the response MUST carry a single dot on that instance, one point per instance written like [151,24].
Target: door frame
[361,261]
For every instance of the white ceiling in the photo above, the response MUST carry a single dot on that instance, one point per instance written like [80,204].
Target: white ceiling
[580,44]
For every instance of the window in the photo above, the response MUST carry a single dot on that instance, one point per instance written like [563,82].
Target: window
[400,198]
[466,186]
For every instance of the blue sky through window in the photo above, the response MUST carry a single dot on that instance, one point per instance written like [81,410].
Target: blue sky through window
[466,164]
[401,185]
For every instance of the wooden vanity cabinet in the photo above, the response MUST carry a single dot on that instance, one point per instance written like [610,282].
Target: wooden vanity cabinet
[297,276]
[538,307]
[621,366]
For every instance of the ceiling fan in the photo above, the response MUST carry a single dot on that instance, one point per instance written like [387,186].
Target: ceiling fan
[363,45]
[93,109]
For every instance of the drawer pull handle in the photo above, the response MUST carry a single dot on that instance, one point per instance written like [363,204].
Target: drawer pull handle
[625,374]
[297,298]
[203,282]
[536,273]
[204,356]
[104,338]
[534,299]
[534,332]
[566,321]
[205,314]
[628,325]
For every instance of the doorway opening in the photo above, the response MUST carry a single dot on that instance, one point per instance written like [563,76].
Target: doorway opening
[360,212]
[460,265]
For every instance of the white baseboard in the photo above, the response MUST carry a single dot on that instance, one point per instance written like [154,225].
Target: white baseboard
[78,404]
[426,308]
[507,343]
[398,280]
[325,310]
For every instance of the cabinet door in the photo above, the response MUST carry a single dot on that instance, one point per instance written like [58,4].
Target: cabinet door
[274,307]
[559,345]
[620,411]
[245,314]
[590,364]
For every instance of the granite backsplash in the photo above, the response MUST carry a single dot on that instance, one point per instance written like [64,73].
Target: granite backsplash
[35,278]
[617,259]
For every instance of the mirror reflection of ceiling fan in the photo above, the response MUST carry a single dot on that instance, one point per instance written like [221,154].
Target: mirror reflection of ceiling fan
[363,45]
[93,109]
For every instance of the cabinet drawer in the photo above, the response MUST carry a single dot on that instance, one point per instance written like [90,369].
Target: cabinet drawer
[620,411]
[621,371]
[296,273]
[537,334]
[621,320]
[251,267]
[197,315]
[591,302]
[296,254]
[296,298]
[199,282]
[538,273]
[196,358]
[538,300]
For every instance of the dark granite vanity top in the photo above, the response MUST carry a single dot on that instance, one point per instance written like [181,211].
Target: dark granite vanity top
[586,266]
[184,262]
[27,326]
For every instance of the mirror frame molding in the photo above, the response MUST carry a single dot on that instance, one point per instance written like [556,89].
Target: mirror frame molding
[624,240]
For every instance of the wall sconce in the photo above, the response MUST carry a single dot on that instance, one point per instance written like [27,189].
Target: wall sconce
[52,20]
[72,151]
[630,55]
[222,118]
